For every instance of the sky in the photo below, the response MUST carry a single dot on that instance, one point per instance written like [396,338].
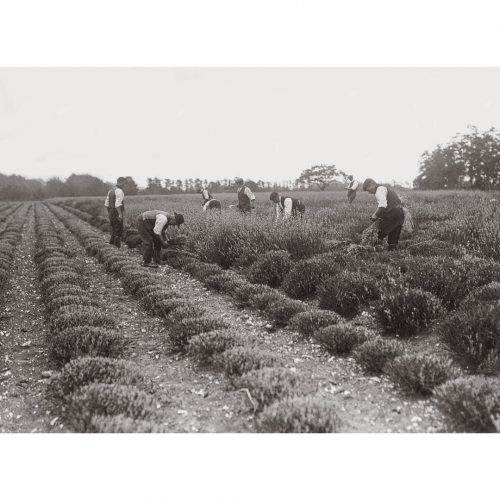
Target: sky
[215,123]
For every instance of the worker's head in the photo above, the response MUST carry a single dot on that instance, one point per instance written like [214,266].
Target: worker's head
[121,181]
[274,197]
[370,185]
[239,181]
[350,177]
[178,219]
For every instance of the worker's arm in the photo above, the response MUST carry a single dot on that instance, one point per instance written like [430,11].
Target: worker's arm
[158,230]
[249,193]
[381,196]
[287,211]
[112,199]
[119,197]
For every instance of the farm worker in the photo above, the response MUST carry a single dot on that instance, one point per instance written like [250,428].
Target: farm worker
[209,202]
[389,213]
[352,187]
[246,199]
[205,195]
[152,226]
[114,205]
[286,206]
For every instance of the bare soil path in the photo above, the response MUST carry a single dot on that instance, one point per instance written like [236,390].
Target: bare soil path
[22,346]
[192,399]
[366,404]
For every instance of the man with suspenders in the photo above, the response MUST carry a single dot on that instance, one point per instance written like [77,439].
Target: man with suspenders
[351,187]
[286,206]
[246,199]
[151,226]
[114,205]
[389,213]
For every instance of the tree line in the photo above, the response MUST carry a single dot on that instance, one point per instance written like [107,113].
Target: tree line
[18,188]
[468,161]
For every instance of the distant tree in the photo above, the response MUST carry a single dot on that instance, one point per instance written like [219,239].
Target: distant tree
[16,187]
[130,186]
[154,186]
[252,185]
[86,185]
[198,184]
[168,183]
[471,159]
[55,188]
[322,175]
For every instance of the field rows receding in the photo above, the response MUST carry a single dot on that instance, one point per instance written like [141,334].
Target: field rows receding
[365,403]
[22,328]
[195,347]
[439,290]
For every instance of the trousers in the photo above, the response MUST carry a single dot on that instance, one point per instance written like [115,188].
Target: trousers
[151,243]
[351,194]
[116,227]
[391,225]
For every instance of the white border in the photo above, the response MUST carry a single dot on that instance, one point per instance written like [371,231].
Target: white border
[249,33]
[252,33]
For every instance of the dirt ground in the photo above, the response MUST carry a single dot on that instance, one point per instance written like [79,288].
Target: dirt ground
[24,363]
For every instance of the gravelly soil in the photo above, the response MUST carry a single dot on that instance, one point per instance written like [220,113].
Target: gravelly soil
[193,400]
[22,347]
[366,404]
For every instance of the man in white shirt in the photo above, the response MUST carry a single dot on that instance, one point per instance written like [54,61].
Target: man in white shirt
[246,199]
[152,226]
[352,187]
[286,206]
[115,206]
[389,213]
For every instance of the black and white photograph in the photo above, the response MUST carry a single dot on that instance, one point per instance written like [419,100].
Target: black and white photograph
[246,251]
[178,259]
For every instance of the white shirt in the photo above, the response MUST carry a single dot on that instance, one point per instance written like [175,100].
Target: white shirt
[249,193]
[119,195]
[381,196]
[205,195]
[286,210]
[161,222]
[353,185]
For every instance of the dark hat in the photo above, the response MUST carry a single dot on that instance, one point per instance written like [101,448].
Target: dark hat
[274,196]
[367,183]
[239,180]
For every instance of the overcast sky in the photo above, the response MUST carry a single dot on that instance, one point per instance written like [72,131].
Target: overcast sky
[256,123]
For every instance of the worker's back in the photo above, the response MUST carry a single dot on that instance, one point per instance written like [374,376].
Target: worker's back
[152,214]
[243,198]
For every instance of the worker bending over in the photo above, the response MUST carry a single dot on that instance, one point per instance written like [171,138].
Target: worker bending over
[389,213]
[205,195]
[209,202]
[152,226]
[286,206]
